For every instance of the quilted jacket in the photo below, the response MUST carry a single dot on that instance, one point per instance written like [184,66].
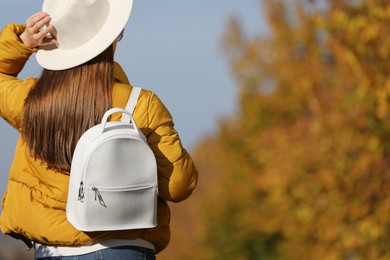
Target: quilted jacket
[33,206]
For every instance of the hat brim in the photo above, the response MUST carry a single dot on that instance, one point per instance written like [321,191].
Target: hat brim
[60,59]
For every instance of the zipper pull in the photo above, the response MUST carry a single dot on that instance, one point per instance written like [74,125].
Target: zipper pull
[81,192]
[99,196]
[96,191]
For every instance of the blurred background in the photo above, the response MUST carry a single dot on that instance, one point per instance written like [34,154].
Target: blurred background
[284,105]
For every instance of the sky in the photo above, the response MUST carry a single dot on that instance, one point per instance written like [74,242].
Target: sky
[172,48]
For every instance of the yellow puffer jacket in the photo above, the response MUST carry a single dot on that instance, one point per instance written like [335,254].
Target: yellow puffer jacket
[33,205]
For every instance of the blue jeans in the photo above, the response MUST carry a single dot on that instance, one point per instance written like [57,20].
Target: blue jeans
[115,253]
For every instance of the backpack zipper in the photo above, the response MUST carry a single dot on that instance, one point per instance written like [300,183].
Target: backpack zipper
[98,195]
[81,192]
[123,188]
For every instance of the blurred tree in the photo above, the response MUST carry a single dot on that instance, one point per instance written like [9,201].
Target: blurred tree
[303,168]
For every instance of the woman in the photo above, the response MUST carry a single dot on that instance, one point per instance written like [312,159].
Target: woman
[75,43]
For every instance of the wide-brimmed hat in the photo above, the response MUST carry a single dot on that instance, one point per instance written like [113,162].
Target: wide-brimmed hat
[84,29]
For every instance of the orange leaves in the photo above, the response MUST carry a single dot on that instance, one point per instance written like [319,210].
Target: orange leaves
[303,167]
[359,39]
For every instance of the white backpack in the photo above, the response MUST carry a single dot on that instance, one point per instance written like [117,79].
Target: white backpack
[113,176]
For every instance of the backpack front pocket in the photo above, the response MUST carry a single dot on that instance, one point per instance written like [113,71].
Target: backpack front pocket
[121,206]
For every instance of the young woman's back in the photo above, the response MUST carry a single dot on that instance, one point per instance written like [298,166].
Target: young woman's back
[51,113]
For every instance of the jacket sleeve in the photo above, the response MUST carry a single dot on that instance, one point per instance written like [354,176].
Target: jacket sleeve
[13,57]
[177,174]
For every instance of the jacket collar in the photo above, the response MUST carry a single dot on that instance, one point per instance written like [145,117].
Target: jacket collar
[119,74]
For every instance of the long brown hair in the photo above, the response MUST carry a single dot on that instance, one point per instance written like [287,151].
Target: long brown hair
[63,105]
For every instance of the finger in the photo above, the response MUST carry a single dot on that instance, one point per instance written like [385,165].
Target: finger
[37,22]
[42,34]
[47,41]
[32,17]
[31,20]
[40,23]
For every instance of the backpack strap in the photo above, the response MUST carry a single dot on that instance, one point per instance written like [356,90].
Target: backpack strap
[131,103]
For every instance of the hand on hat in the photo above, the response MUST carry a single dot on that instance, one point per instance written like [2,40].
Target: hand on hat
[34,36]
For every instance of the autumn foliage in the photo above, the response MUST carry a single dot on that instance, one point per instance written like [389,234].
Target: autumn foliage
[302,171]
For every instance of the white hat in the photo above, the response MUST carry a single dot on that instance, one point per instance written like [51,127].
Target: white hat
[84,29]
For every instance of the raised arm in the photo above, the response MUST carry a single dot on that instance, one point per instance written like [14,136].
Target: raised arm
[17,43]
